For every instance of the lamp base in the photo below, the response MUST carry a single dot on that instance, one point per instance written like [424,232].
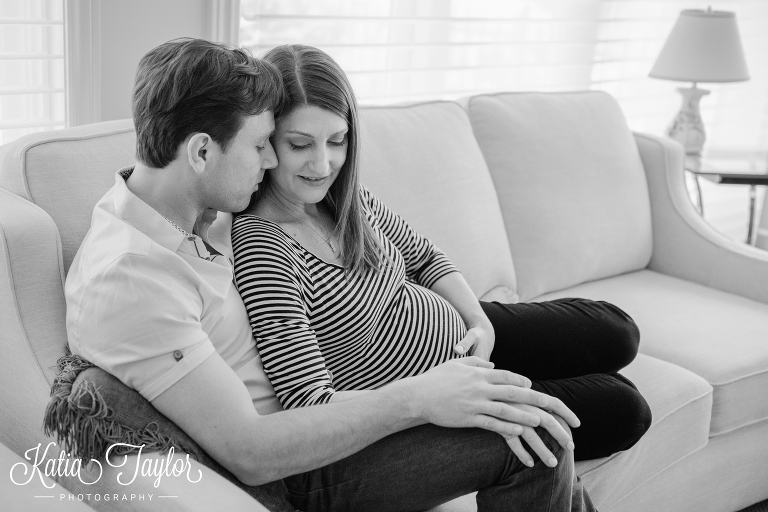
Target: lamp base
[686,127]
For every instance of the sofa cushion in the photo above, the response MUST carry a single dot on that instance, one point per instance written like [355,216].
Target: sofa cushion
[66,172]
[719,336]
[571,185]
[681,403]
[424,163]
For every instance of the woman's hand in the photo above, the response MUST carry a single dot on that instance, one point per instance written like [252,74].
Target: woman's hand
[478,342]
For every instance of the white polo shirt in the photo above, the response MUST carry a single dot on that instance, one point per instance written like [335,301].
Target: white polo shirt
[148,305]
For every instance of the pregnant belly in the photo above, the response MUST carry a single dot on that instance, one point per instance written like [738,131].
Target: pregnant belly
[418,332]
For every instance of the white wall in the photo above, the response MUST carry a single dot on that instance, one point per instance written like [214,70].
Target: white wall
[108,39]
[129,29]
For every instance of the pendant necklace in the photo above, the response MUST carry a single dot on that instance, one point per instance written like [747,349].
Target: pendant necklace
[326,240]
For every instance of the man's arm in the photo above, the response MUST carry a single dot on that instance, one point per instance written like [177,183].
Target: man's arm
[213,406]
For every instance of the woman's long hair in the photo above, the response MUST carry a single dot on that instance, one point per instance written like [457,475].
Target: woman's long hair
[312,78]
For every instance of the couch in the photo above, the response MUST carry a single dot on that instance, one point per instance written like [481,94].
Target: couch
[535,196]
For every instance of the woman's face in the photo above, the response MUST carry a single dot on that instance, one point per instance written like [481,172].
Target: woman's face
[311,147]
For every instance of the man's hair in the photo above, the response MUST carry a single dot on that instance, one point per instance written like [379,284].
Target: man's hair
[312,78]
[188,86]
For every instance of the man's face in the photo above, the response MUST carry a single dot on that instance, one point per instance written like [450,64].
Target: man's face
[236,174]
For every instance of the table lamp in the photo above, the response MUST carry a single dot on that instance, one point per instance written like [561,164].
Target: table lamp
[704,46]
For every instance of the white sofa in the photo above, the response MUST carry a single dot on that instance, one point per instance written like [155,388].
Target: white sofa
[534,196]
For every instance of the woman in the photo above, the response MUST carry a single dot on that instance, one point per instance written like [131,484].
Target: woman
[344,296]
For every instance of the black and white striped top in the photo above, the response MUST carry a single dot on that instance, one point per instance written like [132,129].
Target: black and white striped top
[319,330]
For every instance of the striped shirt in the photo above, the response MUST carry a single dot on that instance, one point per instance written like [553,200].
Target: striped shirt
[320,329]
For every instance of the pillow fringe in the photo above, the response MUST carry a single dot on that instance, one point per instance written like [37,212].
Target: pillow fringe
[82,421]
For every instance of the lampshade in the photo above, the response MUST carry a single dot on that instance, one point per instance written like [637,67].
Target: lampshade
[704,46]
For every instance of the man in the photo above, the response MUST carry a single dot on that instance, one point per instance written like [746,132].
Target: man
[151,300]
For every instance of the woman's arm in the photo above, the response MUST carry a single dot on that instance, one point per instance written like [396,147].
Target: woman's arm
[430,267]
[268,275]
[424,262]
[480,335]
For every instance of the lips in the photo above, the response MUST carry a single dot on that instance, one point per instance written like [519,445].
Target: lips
[314,182]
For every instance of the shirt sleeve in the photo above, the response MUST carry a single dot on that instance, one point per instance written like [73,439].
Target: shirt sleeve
[425,264]
[268,273]
[141,323]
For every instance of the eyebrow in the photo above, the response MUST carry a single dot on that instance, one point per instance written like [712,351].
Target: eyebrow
[340,132]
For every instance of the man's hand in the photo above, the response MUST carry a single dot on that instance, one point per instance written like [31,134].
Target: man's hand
[478,342]
[469,393]
[560,432]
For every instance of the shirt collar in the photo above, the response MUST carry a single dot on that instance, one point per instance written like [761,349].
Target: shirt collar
[213,227]
[129,207]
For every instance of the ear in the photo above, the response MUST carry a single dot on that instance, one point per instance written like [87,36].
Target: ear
[198,151]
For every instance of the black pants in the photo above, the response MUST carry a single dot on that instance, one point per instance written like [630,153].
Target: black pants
[572,349]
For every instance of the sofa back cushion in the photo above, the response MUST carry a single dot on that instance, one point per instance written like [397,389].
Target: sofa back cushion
[66,172]
[571,186]
[423,161]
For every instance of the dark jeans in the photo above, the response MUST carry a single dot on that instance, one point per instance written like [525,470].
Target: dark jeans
[572,349]
[422,467]
[569,348]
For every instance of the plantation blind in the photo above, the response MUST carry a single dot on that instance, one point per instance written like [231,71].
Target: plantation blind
[406,50]
[31,67]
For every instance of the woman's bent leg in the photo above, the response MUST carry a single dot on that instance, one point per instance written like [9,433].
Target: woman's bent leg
[562,338]
[421,467]
[613,413]
[572,349]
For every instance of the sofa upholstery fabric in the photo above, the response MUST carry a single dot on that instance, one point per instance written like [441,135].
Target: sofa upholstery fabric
[571,186]
[429,151]
[67,175]
[717,335]
[566,191]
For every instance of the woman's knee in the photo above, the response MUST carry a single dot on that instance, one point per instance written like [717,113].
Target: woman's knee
[616,417]
[623,336]
[633,415]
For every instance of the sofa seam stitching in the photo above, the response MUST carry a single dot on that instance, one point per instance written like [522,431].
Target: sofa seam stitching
[662,418]
[660,472]
[26,148]
[737,379]
[733,429]
[15,303]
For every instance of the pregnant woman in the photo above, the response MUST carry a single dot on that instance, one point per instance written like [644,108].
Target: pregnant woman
[343,296]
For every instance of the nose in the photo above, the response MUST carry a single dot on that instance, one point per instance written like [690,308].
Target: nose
[268,157]
[320,162]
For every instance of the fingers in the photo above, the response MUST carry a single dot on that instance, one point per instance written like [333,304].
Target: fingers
[464,346]
[509,413]
[551,425]
[518,395]
[473,361]
[504,428]
[556,406]
[517,448]
[537,445]
[506,377]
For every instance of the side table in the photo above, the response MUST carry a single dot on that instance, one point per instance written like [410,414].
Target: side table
[732,178]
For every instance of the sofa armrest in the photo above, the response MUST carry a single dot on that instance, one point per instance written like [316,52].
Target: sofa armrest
[684,245]
[19,492]
[32,318]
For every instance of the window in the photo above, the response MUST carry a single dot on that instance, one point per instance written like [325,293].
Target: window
[404,50]
[31,67]
[400,50]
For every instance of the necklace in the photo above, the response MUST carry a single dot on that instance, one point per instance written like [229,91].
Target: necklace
[190,236]
[324,239]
